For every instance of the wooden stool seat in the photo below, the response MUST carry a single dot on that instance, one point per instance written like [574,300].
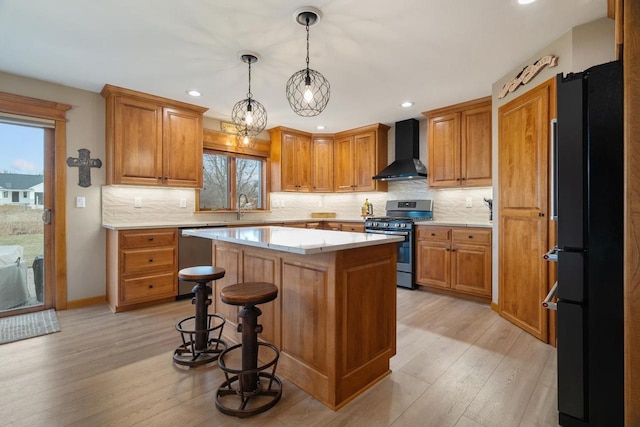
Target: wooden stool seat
[250,293]
[201,273]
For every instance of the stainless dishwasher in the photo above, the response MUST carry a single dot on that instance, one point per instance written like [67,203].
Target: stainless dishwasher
[192,251]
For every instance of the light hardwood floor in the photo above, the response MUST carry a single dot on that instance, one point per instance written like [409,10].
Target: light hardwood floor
[458,364]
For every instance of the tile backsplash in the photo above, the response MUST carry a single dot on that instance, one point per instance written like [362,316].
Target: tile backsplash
[139,205]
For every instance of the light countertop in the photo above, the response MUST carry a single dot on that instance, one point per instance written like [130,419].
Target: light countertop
[454,223]
[296,240]
[228,223]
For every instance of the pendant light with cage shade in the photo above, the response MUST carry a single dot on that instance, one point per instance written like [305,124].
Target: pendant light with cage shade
[308,90]
[249,116]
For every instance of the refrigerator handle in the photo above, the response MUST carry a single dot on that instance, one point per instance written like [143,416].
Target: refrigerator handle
[554,170]
[547,301]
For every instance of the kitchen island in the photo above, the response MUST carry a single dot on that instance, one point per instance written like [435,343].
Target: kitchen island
[334,320]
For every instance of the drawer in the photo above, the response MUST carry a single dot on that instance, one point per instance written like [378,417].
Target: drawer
[433,233]
[143,260]
[472,235]
[149,288]
[336,226]
[148,238]
[359,228]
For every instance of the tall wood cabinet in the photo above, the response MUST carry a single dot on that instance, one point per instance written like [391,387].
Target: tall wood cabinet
[290,160]
[359,154]
[322,164]
[523,159]
[456,259]
[459,144]
[152,140]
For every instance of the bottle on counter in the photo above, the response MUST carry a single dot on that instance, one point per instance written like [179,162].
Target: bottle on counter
[365,208]
[370,208]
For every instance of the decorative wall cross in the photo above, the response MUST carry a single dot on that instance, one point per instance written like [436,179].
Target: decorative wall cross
[84,163]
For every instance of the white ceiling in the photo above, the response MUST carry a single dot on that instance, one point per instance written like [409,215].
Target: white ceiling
[375,53]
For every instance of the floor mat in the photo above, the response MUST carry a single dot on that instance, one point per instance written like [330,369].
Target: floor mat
[23,326]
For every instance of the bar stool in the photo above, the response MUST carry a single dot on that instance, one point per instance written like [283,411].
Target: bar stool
[197,348]
[248,386]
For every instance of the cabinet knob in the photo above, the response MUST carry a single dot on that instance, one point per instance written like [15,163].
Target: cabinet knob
[150,286]
[160,178]
[433,234]
[471,237]
[447,249]
[541,214]
[150,259]
[151,239]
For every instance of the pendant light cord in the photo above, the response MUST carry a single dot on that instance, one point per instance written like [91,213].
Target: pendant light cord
[307,18]
[249,95]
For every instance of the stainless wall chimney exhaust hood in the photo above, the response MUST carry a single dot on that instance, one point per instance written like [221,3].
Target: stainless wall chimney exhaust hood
[407,164]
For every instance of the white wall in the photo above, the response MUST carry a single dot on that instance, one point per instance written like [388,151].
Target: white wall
[581,47]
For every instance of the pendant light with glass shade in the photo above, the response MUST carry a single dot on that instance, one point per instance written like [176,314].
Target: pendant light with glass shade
[308,90]
[248,115]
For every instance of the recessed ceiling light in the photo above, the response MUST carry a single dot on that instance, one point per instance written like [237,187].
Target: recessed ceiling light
[525,1]
[406,104]
[320,127]
[194,92]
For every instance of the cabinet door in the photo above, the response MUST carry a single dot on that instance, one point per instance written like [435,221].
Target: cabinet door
[288,163]
[522,212]
[303,163]
[471,269]
[182,148]
[137,142]
[322,165]
[433,266]
[444,145]
[475,146]
[343,166]
[364,161]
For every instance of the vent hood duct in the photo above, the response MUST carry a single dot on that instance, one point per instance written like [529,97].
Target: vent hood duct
[407,164]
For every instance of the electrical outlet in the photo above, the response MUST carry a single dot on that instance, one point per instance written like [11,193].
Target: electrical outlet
[183,203]
[80,202]
[468,202]
[137,202]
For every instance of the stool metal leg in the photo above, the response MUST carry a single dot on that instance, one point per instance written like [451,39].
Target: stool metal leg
[202,302]
[250,330]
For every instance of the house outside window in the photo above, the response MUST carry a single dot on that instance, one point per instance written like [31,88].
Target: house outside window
[228,175]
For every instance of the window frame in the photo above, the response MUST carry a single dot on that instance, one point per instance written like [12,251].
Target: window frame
[233,197]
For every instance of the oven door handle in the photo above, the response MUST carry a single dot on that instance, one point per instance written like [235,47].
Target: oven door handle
[395,233]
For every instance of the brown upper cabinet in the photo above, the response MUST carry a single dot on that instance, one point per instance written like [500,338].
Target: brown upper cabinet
[344,162]
[459,141]
[358,155]
[322,164]
[152,140]
[290,160]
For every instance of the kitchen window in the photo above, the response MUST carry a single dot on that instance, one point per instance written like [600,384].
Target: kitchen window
[226,176]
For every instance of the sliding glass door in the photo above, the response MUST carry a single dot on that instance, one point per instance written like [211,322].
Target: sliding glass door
[23,214]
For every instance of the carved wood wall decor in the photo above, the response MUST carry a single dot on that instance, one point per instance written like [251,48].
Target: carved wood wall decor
[527,74]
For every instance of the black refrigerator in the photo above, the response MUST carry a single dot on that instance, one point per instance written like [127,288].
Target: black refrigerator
[588,202]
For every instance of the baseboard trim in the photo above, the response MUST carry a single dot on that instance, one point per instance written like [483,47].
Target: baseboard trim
[86,302]
[495,307]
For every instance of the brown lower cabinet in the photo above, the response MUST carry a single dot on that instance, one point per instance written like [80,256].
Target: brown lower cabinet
[142,267]
[456,259]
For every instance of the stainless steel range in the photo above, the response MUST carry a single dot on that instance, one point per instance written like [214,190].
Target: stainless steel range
[401,215]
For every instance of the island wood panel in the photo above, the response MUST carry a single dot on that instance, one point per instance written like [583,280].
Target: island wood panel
[261,266]
[336,318]
[367,318]
[229,258]
[307,295]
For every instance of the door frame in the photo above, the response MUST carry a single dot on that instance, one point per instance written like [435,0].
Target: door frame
[55,153]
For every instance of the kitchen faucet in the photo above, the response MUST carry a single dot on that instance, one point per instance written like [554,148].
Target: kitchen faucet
[246,200]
